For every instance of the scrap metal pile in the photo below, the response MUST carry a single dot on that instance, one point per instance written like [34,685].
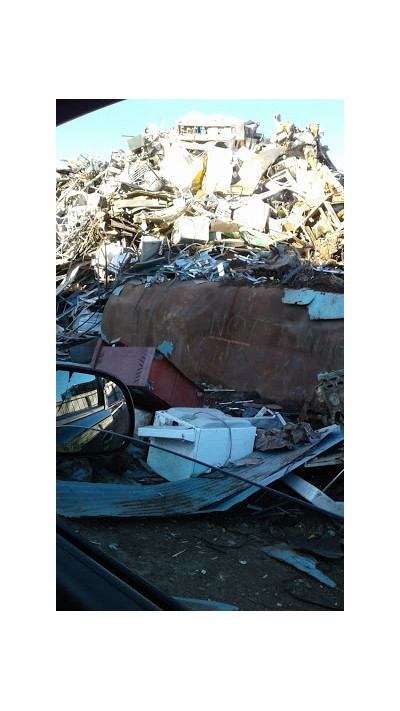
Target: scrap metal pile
[208,200]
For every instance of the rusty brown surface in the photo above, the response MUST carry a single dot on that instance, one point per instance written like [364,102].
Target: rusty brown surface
[234,336]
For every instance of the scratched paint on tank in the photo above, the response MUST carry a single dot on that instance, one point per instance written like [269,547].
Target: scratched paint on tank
[233,336]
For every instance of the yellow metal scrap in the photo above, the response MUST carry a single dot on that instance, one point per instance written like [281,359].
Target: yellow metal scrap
[197,182]
[310,154]
[287,126]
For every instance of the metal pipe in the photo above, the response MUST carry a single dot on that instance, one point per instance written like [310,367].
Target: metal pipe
[333,481]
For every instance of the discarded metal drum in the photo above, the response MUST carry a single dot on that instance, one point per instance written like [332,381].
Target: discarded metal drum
[233,336]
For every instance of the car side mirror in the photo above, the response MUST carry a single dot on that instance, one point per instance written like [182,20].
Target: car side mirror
[94,410]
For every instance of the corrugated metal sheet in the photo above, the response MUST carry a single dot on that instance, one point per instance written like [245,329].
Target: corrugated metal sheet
[206,493]
[234,336]
[281,463]
[184,497]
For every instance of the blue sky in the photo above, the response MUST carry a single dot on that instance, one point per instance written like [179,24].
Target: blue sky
[101,131]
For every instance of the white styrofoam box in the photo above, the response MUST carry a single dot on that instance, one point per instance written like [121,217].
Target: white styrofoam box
[192,229]
[254,213]
[205,434]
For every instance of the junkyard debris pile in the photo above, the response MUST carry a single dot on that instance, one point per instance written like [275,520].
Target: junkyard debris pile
[208,200]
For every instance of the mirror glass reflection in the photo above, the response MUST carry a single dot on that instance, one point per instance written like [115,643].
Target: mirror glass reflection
[84,401]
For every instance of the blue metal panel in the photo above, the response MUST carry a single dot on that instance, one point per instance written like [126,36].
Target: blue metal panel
[320,305]
[185,497]
[301,297]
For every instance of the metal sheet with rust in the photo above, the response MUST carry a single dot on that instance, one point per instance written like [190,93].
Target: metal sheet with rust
[234,336]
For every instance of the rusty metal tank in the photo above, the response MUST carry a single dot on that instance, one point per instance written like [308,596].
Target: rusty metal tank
[233,336]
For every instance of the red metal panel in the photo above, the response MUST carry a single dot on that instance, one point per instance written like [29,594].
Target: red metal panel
[132,365]
[153,380]
[234,336]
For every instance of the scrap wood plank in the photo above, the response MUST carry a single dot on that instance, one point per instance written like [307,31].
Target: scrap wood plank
[123,225]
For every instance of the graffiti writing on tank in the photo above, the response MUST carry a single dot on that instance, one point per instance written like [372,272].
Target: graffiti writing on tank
[235,326]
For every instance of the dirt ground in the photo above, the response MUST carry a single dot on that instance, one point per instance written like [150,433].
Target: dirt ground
[219,556]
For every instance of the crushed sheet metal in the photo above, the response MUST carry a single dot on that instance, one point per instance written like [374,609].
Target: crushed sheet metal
[304,563]
[327,545]
[205,493]
[75,499]
[230,501]
[320,305]
[233,336]
[280,463]
[165,348]
[333,436]
[107,212]
[253,168]
[314,495]
[329,460]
